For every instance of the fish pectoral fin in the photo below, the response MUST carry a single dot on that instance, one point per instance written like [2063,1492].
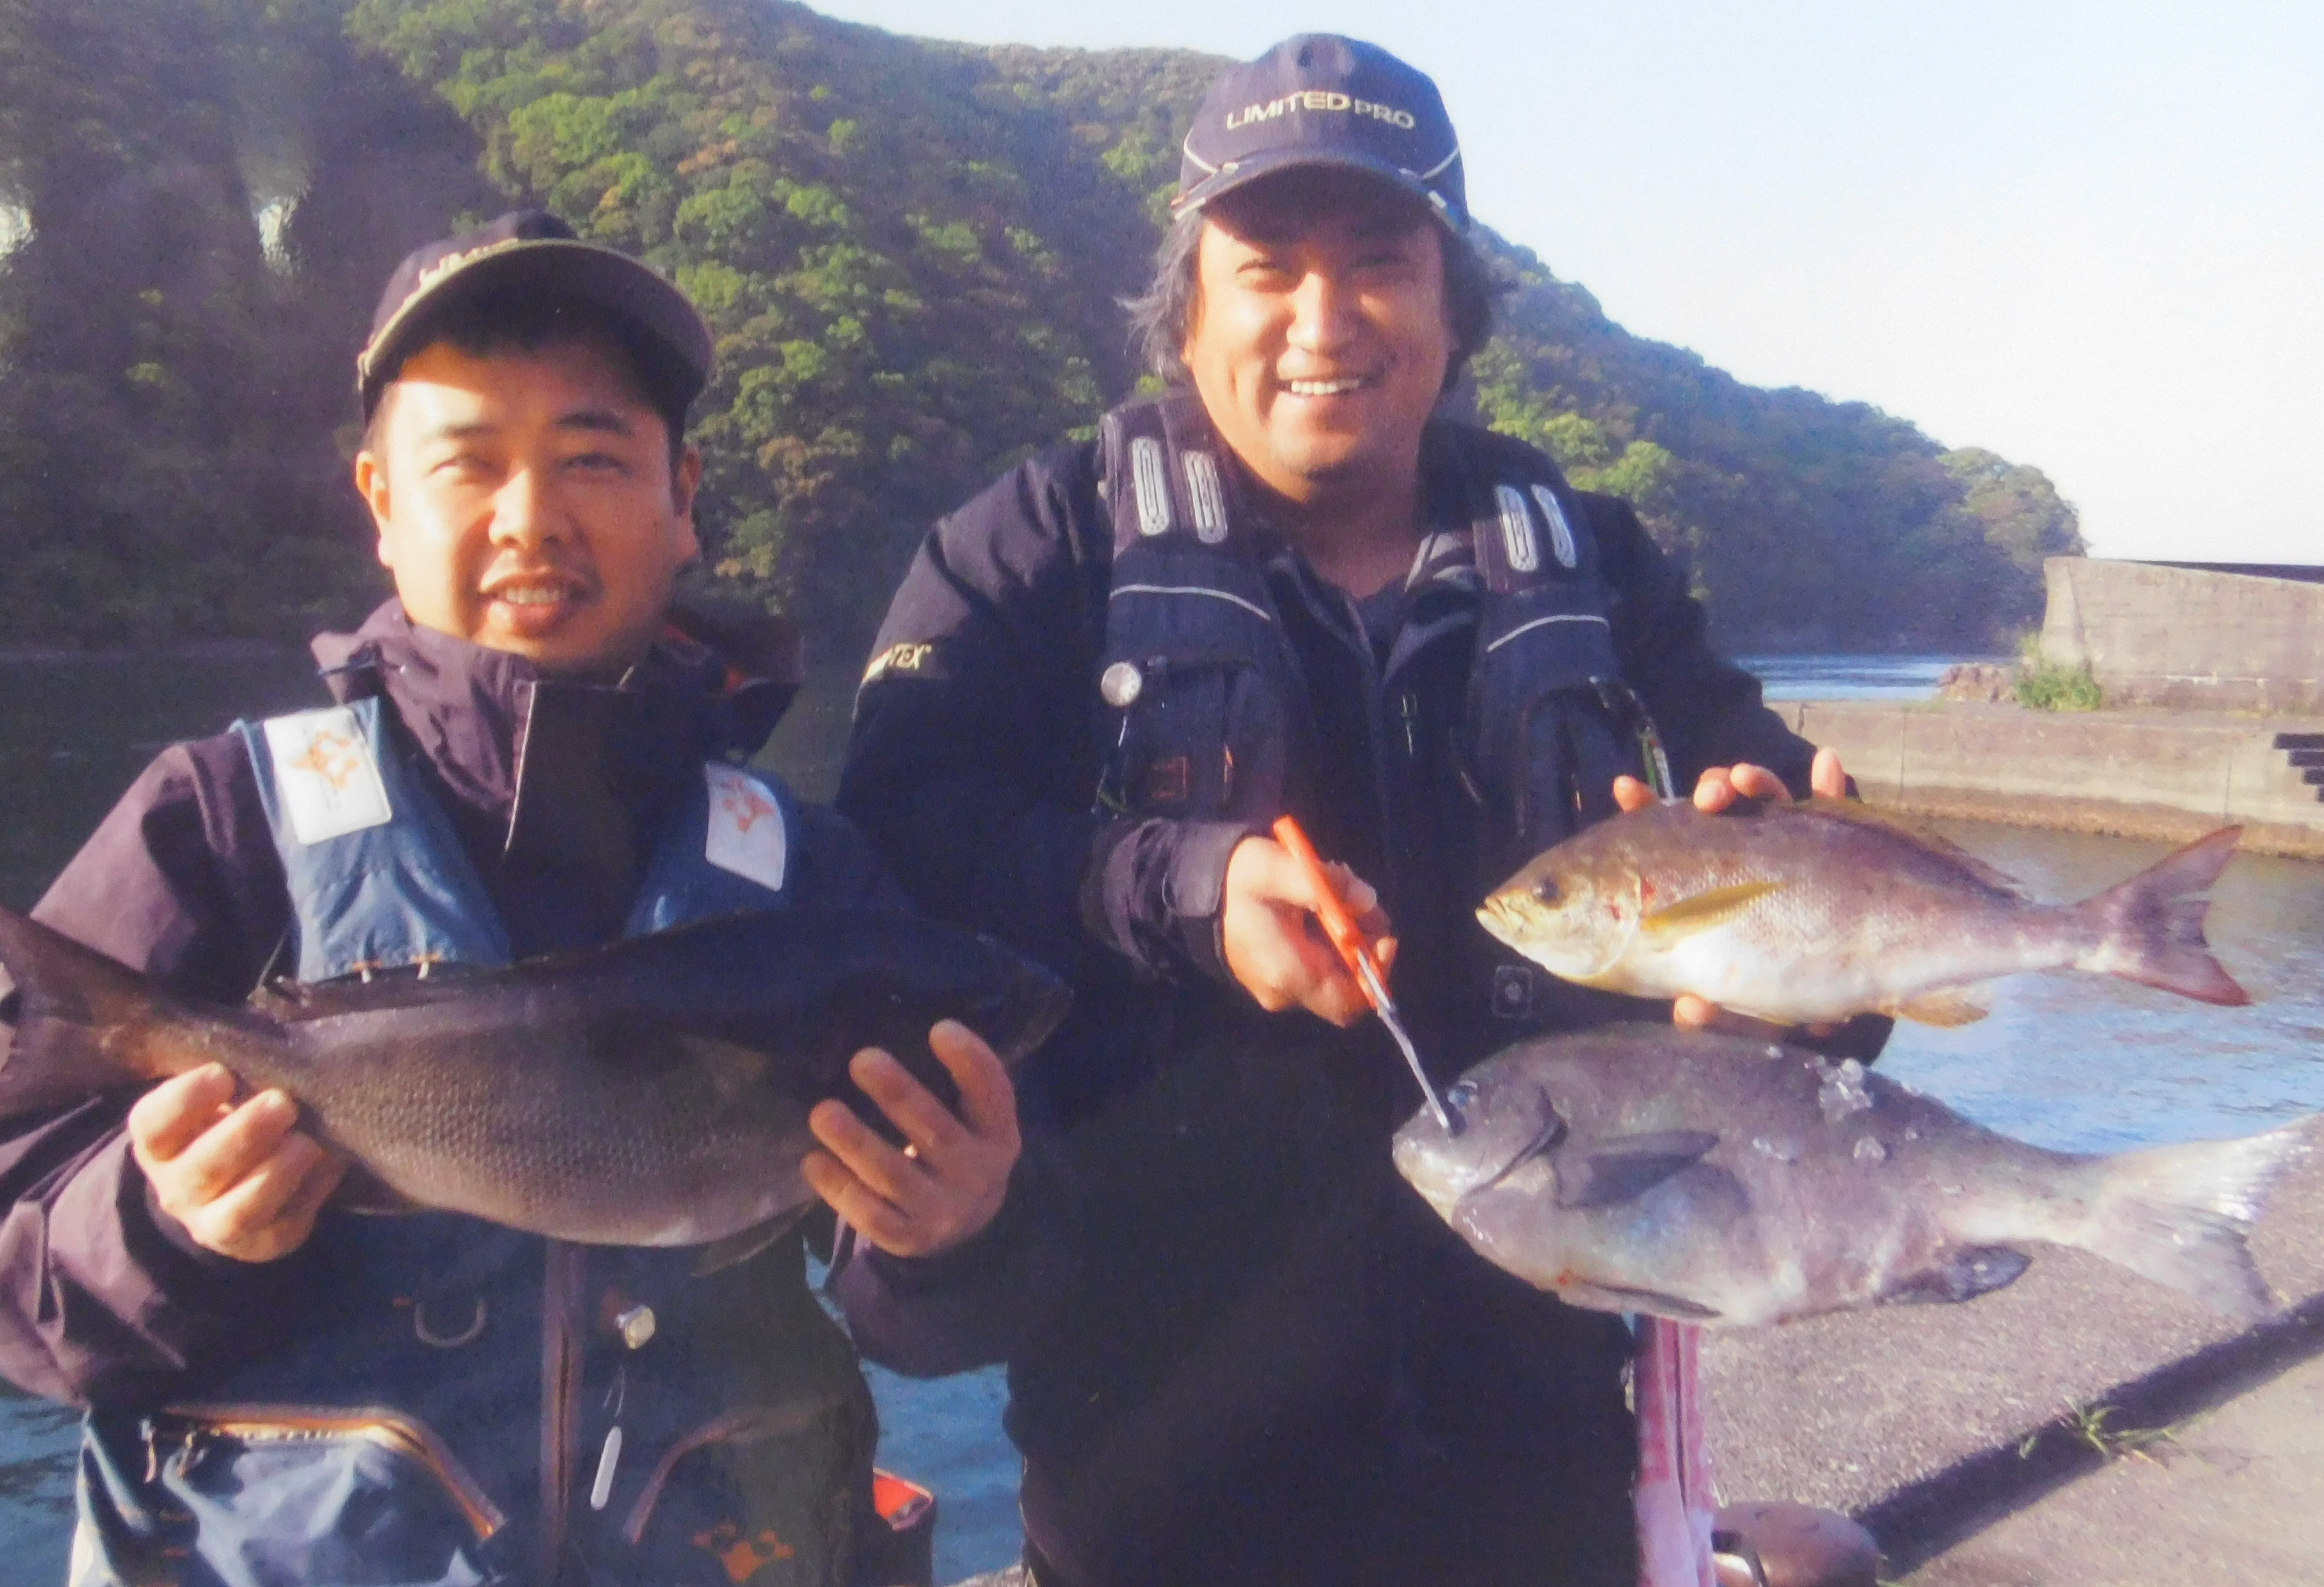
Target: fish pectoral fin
[1702,911]
[732,1067]
[1948,1007]
[1964,1275]
[1629,1166]
[740,1247]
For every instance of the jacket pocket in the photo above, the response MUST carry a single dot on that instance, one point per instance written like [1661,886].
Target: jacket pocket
[767,1495]
[322,1493]
[1204,740]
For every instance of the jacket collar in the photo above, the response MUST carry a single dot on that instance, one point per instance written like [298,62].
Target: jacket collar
[473,711]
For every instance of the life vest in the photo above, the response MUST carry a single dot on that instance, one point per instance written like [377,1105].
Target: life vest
[1207,708]
[682,1429]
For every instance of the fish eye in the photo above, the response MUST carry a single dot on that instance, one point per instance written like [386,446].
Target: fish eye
[1545,890]
[1462,1094]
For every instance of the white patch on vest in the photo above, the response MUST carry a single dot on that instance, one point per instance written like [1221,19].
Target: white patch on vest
[324,774]
[1561,533]
[1516,530]
[746,828]
[1208,502]
[1153,484]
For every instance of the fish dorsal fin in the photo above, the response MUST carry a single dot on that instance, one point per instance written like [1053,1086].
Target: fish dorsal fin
[1629,1166]
[1912,831]
[1947,1007]
[1699,911]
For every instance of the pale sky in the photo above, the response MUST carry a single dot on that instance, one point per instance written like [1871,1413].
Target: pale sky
[2089,236]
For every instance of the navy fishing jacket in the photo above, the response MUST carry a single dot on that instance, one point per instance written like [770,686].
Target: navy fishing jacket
[1239,1349]
[231,1405]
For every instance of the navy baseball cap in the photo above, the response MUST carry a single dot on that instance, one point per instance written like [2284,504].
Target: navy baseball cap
[533,252]
[1320,99]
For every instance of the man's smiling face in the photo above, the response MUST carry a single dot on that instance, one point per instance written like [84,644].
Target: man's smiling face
[1319,341]
[528,500]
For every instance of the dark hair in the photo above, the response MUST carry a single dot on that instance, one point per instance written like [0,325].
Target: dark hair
[525,322]
[1161,316]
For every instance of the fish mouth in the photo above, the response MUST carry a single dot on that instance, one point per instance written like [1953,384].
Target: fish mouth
[1504,915]
[1513,918]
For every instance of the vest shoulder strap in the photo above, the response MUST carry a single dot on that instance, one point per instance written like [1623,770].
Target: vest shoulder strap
[377,877]
[1526,524]
[726,851]
[1166,477]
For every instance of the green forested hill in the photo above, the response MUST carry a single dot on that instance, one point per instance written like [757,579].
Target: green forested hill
[910,250]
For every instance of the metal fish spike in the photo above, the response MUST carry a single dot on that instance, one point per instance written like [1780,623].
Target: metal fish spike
[652,1092]
[1822,910]
[1713,1179]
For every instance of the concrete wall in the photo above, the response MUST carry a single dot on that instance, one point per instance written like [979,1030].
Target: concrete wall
[2140,774]
[2186,638]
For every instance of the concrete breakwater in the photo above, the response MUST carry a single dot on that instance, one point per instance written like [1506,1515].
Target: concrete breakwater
[2170,775]
[1933,1424]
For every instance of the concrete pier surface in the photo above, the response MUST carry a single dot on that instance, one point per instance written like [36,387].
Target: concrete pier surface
[2172,774]
[1968,1438]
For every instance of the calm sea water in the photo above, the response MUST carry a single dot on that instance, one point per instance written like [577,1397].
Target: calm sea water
[1852,677]
[2073,1062]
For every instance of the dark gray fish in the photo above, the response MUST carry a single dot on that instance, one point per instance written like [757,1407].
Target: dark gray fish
[1824,909]
[1714,1180]
[652,1092]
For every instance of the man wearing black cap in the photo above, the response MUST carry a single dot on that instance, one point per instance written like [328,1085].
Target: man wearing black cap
[524,755]
[1240,1350]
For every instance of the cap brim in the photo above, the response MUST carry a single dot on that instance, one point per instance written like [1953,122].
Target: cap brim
[1239,173]
[557,267]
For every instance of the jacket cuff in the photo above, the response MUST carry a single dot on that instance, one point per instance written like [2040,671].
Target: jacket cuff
[1154,889]
[1197,892]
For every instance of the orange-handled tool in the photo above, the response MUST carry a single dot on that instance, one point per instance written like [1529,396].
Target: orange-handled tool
[1349,938]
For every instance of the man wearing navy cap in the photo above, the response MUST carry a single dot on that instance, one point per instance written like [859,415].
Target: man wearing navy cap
[526,750]
[1242,1351]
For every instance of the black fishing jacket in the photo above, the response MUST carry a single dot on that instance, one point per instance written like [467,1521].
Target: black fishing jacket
[1246,1351]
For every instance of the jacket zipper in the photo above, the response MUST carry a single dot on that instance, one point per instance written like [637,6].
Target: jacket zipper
[291,1424]
[562,1343]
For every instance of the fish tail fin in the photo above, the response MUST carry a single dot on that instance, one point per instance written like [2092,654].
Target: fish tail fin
[2177,1215]
[2150,927]
[67,1000]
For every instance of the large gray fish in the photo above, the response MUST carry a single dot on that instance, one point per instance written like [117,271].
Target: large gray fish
[1822,910]
[1714,1180]
[652,1092]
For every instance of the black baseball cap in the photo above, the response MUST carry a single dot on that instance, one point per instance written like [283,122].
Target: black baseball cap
[532,250]
[1320,99]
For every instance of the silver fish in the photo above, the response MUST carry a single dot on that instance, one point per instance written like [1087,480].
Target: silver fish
[1714,1180]
[652,1092]
[1815,911]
